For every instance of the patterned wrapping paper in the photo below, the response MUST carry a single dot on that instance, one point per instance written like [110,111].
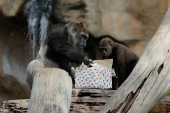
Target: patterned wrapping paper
[94,77]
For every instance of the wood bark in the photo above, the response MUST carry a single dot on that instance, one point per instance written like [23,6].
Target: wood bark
[83,101]
[51,92]
[149,80]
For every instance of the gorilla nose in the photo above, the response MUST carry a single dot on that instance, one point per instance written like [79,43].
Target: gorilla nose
[103,49]
[103,54]
[83,45]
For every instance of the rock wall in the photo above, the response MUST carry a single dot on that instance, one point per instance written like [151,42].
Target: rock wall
[15,54]
[15,51]
[132,21]
[10,8]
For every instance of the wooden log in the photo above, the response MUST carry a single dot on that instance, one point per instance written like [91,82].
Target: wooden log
[51,92]
[21,106]
[149,80]
[13,106]
[89,99]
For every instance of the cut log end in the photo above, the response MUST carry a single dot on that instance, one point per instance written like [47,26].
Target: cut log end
[51,92]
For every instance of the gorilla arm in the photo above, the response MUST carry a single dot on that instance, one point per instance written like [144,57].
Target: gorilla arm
[121,65]
[72,53]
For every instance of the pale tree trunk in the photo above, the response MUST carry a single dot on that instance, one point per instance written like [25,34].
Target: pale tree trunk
[149,80]
[51,92]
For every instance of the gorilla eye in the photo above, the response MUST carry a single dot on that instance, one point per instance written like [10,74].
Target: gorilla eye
[75,29]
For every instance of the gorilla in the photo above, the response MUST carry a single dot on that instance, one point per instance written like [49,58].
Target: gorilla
[63,45]
[124,60]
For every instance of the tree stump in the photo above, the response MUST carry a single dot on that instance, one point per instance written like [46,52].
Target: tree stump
[51,92]
[149,80]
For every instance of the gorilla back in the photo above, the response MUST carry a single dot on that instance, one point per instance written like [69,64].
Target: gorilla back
[63,44]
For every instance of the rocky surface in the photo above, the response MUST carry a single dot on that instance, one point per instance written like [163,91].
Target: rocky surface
[10,88]
[10,8]
[15,54]
[132,21]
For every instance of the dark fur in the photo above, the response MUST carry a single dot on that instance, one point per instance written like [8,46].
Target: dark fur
[124,60]
[64,44]
[61,51]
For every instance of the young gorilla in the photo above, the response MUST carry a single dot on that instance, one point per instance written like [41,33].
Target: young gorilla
[64,44]
[124,60]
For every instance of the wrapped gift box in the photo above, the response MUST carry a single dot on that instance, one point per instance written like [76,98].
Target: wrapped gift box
[98,76]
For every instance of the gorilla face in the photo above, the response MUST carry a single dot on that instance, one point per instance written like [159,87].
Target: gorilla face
[106,45]
[82,40]
[78,34]
[104,51]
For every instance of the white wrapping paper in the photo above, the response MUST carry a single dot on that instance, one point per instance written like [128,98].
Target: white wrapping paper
[94,77]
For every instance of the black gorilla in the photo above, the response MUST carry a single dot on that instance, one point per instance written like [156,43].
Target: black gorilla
[124,60]
[64,44]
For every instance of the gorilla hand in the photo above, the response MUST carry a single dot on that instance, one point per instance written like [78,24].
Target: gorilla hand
[88,62]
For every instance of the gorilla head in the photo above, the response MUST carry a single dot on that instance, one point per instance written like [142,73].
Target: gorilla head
[106,45]
[68,41]
[78,34]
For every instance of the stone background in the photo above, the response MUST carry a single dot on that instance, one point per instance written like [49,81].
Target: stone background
[133,22]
